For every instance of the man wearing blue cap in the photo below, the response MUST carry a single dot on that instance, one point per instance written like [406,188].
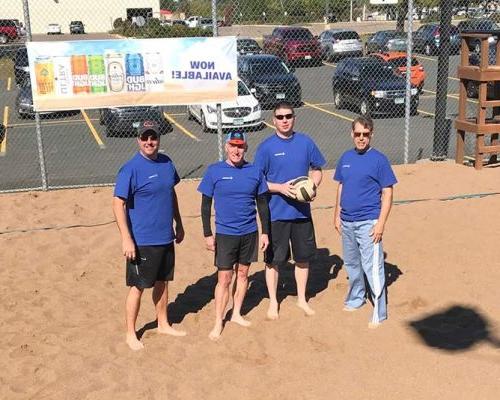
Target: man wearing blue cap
[237,188]
[145,207]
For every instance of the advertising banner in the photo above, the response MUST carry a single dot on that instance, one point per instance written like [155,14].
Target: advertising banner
[113,73]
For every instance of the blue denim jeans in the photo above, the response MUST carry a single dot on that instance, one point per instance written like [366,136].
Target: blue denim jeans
[363,257]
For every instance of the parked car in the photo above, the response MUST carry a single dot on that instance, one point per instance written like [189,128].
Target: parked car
[21,30]
[472,87]
[397,61]
[8,30]
[122,121]
[337,43]
[245,112]
[427,39]
[172,22]
[25,109]
[370,85]
[479,24]
[206,23]
[390,40]
[193,21]
[76,28]
[247,46]
[269,79]
[21,67]
[293,44]
[54,29]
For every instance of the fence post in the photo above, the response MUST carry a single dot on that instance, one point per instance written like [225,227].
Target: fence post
[409,45]
[41,156]
[218,107]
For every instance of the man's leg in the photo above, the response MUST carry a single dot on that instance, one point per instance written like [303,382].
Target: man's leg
[221,299]
[160,300]
[240,290]
[372,259]
[272,289]
[132,306]
[301,275]
[352,262]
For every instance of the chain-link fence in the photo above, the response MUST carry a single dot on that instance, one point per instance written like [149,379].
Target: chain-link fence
[332,59]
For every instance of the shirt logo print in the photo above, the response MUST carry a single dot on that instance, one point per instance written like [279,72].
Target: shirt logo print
[279,154]
[346,166]
[227,177]
[153,176]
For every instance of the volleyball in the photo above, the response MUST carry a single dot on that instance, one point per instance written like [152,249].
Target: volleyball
[305,189]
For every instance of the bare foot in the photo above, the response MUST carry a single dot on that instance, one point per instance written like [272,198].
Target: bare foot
[272,311]
[240,320]
[133,342]
[373,325]
[168,330]
[305,307]
[216,332]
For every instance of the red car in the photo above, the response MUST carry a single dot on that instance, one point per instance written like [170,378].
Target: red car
[8,30]
[293,44]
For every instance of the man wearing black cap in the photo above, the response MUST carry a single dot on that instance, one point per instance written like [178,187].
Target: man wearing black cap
[237,188]
[145,206]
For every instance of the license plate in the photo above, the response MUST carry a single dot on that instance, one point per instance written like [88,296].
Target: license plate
[280,95]
[307,57]
[399,100]
[238,121]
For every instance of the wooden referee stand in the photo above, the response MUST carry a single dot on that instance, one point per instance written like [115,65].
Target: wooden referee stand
[480,126]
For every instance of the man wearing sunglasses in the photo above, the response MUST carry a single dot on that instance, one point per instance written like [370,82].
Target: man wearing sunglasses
[145,206]
[283,157]
[237,187]
[364,200]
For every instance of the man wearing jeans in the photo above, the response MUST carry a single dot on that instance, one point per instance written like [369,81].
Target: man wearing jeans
[364,200]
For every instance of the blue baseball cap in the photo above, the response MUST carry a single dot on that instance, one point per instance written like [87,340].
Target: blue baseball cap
[236,138]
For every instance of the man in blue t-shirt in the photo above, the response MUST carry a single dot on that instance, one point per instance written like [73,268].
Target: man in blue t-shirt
[237,187]
[145,206]
[283,157]
[364,200]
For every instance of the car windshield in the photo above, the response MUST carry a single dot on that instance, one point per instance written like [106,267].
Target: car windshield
[297,34]
[377,71]
[268,67]
[346,36]
[246,43]
[242,89]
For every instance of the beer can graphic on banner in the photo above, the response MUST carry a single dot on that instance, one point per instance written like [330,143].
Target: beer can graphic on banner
[62,76]
[80,74]
[97,73]
[44,73]
[134,67]
[115,71]
[153,72]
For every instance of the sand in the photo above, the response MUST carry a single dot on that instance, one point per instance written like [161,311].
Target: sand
[62,305]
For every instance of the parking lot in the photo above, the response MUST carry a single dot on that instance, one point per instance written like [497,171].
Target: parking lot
[77,151]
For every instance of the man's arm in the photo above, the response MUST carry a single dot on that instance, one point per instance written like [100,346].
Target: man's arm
[206,210]
[263,210]
[179,229]
[120,212]
[338,209]
[378,229]
[285,189]
[317,176]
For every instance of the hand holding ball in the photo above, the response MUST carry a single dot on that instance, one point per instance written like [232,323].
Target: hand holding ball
[305,189]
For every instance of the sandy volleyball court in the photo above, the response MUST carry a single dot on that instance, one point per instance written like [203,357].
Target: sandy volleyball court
[62,298]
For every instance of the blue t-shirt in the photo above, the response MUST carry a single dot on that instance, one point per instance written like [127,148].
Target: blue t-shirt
[363,176]
[148,186]
[284,159]
[234,190]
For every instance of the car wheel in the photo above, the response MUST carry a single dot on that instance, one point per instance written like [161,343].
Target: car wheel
[109,132]
[21,115]
[472,89]
[3,39]
[364,108]
[337,100]
[413,110]
[203,122]
[428,50]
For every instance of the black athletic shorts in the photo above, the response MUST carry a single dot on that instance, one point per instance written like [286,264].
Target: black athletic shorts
[298,232]
[232,249]
[151,264]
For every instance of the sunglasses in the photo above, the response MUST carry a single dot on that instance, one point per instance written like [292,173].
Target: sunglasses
[281,117]
[364,134]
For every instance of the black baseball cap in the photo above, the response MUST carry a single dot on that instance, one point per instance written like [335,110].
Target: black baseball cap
[148,128]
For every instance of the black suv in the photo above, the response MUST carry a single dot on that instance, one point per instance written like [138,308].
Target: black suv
[478,24]
[76,27]
[121,121]
[247,46]
[427,39]
[269,79]
[21,68]
[372,86]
